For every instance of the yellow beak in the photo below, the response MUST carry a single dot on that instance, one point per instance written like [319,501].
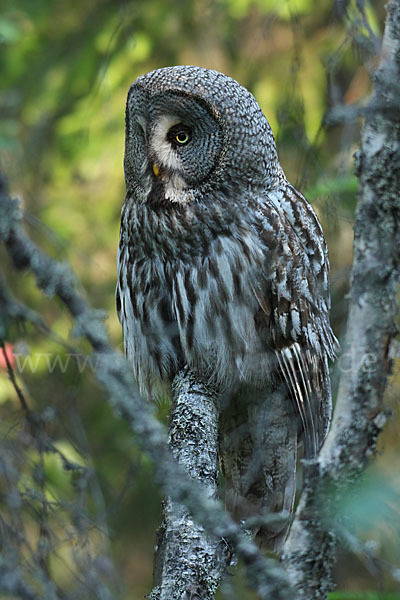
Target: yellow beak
[156,169]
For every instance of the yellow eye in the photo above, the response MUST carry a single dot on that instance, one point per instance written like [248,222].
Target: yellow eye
[179,135]
[182,137]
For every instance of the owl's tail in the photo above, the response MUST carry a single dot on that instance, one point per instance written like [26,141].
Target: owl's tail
[258,452]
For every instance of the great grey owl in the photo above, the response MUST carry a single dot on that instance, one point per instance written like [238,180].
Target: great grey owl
[222,266]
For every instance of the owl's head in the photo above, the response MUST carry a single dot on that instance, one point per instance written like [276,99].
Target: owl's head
[188,128]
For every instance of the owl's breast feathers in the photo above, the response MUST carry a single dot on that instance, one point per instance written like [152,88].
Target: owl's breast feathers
[238,292]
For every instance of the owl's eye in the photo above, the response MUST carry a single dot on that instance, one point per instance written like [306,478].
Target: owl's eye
[179,134]
[182,137]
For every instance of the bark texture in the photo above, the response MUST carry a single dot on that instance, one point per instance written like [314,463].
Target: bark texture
[188,562]
[359,414]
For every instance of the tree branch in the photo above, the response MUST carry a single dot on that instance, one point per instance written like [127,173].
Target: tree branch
[188,561]
[359,415]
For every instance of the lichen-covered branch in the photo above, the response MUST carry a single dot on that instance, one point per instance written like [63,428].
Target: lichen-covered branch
[359,415]
[188,561]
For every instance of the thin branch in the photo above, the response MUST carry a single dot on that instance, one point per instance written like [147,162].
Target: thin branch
[13,380]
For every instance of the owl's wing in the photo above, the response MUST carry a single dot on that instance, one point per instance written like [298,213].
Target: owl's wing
[293,296]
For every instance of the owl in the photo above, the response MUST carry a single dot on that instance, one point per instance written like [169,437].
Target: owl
[223,267]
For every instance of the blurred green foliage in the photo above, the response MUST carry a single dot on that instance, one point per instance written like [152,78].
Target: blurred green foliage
[65,69]
[362,596]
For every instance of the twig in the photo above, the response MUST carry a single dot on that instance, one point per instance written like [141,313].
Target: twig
[13,380]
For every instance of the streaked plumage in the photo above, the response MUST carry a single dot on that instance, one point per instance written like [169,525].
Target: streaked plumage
[222,265]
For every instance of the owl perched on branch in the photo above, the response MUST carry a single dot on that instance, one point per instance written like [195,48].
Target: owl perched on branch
[222,266]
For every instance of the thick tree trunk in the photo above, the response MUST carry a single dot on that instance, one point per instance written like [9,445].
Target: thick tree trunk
[359,414]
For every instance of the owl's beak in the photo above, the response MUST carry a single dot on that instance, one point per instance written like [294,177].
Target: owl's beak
[156,169]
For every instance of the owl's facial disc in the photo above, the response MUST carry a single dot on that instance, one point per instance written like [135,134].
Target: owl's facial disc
[168,137]
[161,146]
[184,142]
[174,142]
